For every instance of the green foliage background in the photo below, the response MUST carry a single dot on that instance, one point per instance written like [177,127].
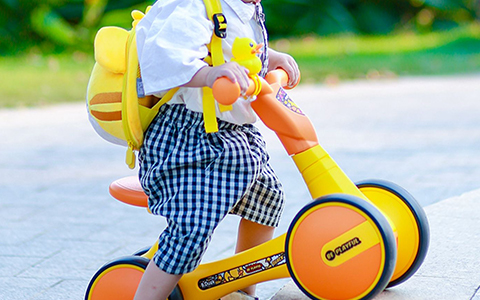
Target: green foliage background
[58,25]
[325,17]
[46,47]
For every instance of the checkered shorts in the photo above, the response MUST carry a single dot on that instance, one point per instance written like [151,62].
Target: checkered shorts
[195,179]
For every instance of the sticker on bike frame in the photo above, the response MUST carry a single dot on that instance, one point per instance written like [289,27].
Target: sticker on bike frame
[283,97]
[243,271]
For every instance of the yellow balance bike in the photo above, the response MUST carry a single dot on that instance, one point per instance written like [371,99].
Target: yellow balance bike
[351,242]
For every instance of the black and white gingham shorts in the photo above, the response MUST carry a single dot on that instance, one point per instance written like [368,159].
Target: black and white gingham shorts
[195,179]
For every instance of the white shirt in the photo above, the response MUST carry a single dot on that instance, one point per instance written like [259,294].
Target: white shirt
[171,43]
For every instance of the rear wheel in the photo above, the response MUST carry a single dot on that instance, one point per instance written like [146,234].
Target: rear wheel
[142,251]
[409,219]
[340,247]
[119,280]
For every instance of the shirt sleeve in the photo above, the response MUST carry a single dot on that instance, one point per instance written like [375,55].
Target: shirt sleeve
[172,41]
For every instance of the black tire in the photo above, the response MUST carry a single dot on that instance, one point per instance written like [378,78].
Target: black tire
[417,213]
[135,263]
[141,251]
[355,206]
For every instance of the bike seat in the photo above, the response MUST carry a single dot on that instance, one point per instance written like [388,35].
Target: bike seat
[128,190]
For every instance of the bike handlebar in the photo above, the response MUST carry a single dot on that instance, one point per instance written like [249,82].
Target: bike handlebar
[227,92]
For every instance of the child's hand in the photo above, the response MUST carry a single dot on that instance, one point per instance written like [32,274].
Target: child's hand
[231,70]
[207,75]
[285,62]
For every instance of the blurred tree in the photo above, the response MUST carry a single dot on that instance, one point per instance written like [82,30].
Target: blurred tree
[71,24]
[324,17]
[56,24]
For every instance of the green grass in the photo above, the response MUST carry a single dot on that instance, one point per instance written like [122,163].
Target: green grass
[40,80]
[318,69]
[439,53]
[33,80]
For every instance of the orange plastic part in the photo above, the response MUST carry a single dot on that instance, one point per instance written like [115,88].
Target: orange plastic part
[318,228]
[277,76]
[225,91]
[285,118]
[119,283]
[128,190]
[280,76]
[275,109]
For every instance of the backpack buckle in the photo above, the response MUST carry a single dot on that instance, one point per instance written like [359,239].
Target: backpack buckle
[220,25]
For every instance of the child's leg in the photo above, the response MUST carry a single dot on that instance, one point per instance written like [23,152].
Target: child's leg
[156,284]
[251,234]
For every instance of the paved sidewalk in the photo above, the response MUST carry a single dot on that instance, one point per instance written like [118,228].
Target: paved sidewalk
[58,224]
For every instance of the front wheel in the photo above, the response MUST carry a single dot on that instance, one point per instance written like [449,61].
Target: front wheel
[409,219]
[340,247]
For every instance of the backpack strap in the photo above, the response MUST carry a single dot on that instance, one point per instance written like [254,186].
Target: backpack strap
[214,13]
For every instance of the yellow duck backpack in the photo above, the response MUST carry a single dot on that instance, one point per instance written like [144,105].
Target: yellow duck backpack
[115,110]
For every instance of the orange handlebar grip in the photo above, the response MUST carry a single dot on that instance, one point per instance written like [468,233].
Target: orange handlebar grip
[277,76]
[281,77]
[225,91]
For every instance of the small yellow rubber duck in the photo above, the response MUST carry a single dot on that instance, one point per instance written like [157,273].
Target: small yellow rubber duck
[244,51]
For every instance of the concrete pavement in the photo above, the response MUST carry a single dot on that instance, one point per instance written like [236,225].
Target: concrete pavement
[58,224]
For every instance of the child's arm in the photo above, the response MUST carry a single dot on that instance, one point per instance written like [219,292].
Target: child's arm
[286,62]
[207,75]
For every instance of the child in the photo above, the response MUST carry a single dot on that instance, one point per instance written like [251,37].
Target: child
[193,178]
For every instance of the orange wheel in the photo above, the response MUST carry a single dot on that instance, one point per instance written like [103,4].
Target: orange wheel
[409,219]
[340,247]
[118,279]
